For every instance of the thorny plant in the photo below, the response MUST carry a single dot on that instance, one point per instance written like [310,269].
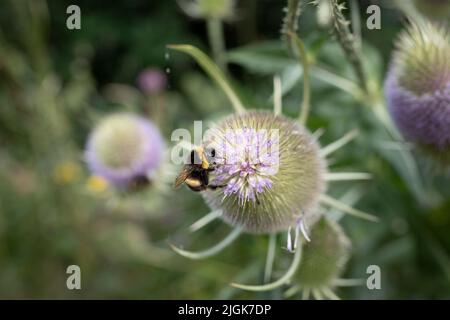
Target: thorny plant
[253,201]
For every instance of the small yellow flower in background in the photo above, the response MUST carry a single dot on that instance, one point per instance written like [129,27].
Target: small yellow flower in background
[66,172]
[96,184]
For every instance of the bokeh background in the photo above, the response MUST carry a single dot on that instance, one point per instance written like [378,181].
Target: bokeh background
[56,84]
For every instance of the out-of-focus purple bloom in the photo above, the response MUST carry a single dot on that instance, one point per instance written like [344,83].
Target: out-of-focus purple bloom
[417,87]
[124,147]
[422,119]
[152,80]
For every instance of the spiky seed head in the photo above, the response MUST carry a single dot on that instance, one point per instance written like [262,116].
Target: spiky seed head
[417,87]
[324,258]
[124,147]
[269,172]
[434,9]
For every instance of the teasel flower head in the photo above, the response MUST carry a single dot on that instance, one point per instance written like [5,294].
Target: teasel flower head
[434,9]
[417,87]
[268,174]
[323,260]
[123,149]
[270,169]
[208,9]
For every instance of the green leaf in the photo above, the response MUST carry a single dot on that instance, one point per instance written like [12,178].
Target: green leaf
[266,58]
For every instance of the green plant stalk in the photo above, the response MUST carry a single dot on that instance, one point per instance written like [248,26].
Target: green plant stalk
[356,22]
[303,57]
[290,22]
[347,42]
[217,42]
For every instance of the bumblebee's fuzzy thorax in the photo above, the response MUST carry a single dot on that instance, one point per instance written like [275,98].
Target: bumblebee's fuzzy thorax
[270,169]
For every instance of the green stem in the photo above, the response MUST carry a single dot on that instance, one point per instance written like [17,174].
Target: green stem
[290,22]
[270,257]
[347,42]
[303,57]
[356,22]
[217,42]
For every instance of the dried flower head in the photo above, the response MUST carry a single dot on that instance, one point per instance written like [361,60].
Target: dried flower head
[123,148]
[270,168]
[418,86]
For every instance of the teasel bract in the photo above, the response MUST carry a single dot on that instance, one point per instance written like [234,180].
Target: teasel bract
[417,87]
[271,175]
[124,149]
[322,263]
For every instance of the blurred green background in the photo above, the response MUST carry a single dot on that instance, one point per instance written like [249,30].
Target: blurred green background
[56,83]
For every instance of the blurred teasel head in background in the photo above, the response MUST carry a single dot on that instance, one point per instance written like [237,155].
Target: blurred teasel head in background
[270,168]
[152,80]
[124,148]
[417,87]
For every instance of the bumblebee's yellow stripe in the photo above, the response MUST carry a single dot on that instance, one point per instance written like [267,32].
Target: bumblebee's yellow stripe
[201,152]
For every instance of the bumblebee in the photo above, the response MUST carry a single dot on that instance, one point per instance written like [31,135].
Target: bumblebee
[195,174]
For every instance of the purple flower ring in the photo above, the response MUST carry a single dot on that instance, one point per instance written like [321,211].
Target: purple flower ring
[124,147]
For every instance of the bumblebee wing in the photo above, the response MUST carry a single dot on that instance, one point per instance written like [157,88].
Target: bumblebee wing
[182,176]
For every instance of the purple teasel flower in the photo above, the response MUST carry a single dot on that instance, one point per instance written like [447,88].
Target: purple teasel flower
[152,80]
[271,171]
[124,147]
[417,87]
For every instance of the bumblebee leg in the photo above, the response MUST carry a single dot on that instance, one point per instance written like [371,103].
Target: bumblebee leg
[214,187]
[257,200]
